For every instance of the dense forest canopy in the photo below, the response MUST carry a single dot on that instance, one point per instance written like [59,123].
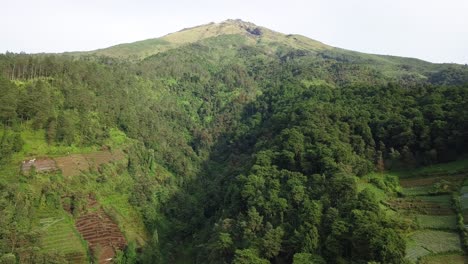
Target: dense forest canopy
[237,153]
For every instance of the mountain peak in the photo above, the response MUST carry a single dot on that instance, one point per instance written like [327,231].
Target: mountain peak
[239,22]
[226,27]
[254,35]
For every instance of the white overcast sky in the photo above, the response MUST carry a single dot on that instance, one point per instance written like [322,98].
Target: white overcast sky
[435,31]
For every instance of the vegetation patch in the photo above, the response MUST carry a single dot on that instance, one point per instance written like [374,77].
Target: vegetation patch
[415,182]
[444,259]
[59,236]
[426,242]
[417,191]
[459,166]
[127,217]
[464,198]
[443,222]
[429,205]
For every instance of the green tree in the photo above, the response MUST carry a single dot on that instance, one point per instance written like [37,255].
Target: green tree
[248,256]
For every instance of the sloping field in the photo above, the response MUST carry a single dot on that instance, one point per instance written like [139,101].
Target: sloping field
[72,165]
[60,237]
[428,202]
[40,165]
[101,232]
[417,190]
[444,259]
[425,242]
[425,181]
[441,222]
[429,205]
[75,164]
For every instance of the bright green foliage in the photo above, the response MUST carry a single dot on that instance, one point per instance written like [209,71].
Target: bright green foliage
[437,222]
[248,256]
[307,258]
[8,101]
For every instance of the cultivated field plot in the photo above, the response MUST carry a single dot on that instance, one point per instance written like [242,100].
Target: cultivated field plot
[416,191]
[425,242]
[60,237]
[428,205]
[442,222]
[75,164]
[427,181]
[444,259]
[101,232]
[72,165]
[40,165]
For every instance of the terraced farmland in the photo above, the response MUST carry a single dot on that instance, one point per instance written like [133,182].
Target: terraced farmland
[444,259]
[427,201]
[101,232]
[73,165]
[60,237]
[425,242]
[437,222]
[429,205]
[428,181]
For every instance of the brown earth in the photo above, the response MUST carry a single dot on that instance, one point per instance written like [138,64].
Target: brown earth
[75,164]
[72,165]
[420,206]
[416,182]
[40,165]
[101,232]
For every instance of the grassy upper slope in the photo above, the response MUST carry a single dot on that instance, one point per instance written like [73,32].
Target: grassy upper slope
[255,35]
[271,42]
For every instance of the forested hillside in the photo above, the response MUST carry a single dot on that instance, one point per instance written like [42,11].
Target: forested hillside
[241,145]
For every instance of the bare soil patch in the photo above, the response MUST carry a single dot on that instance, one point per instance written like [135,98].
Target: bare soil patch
[40,165]
[75,164]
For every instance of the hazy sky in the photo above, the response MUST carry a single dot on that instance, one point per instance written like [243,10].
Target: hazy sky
[432,30]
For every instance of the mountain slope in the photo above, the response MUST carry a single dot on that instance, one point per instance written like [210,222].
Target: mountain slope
[256,35]
[394,68]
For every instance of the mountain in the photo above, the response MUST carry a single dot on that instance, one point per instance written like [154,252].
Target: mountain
[255,35]
[232,143]
[274,42]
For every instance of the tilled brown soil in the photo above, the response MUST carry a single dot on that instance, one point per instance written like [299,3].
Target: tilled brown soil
[420,206]
[39,164]
[101,232]
[75,164]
